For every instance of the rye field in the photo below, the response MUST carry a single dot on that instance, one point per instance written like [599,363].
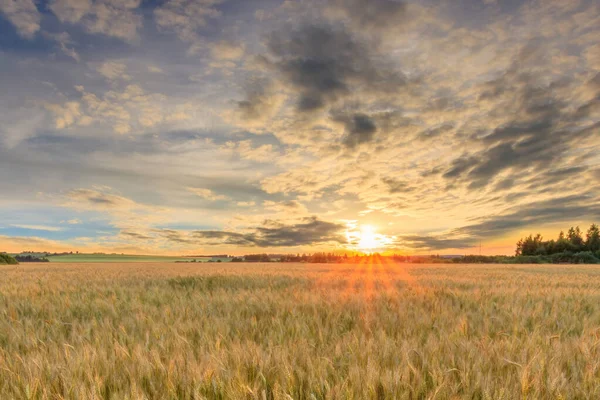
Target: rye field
[299,331]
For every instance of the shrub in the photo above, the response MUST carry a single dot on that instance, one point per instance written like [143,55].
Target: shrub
[585,257]
[6,259]
[566,257]
[530,260]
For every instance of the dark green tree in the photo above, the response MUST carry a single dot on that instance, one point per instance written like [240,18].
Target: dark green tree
[592,239]
[530,246]
[574,236]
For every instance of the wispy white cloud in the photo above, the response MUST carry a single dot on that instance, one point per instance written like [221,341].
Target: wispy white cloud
[38,227]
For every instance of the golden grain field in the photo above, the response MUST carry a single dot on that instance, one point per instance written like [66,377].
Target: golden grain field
[299,331]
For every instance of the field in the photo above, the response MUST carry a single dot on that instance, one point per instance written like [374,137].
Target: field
[299,331]
[112,258]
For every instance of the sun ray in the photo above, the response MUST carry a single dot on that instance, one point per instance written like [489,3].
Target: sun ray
[384,275]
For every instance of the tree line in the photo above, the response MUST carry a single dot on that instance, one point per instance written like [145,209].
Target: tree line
[572,247]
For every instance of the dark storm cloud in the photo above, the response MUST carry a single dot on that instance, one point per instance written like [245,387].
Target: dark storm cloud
[311,231]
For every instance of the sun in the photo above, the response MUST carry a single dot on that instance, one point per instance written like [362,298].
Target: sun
[368,239]
[365,238]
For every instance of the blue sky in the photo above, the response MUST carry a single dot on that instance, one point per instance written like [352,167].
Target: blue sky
[185,127]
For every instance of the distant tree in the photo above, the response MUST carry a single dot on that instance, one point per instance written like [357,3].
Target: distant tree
[257,258]
[30,258]
[574,236]
[550,246]
[592,240]
[530,246]
[569,248]
[562,244]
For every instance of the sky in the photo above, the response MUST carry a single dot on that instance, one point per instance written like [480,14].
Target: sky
[266,126]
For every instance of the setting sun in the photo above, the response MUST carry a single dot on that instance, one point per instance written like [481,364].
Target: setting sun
[368,239]
[365,238]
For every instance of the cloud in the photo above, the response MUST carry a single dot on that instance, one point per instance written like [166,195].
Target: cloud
[536,129]
[378,15]
[115,18]
[66,115]
[227,50]
[309,232]
[206,194]
[436,131]
[245,150]
[565,209]
[261,103]
[18,244]
[20,124]
[95,199]
[397,186]
[64,40]
[360,128]
[559,209]
[135,235]
[70,10]
[155,69]
[435,243]
[185,17]
[324,63]
[38,227]
[290,208]
[128,110]
[112,70]
[23,14]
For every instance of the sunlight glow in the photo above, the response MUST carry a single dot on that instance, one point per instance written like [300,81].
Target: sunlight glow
[368,240]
